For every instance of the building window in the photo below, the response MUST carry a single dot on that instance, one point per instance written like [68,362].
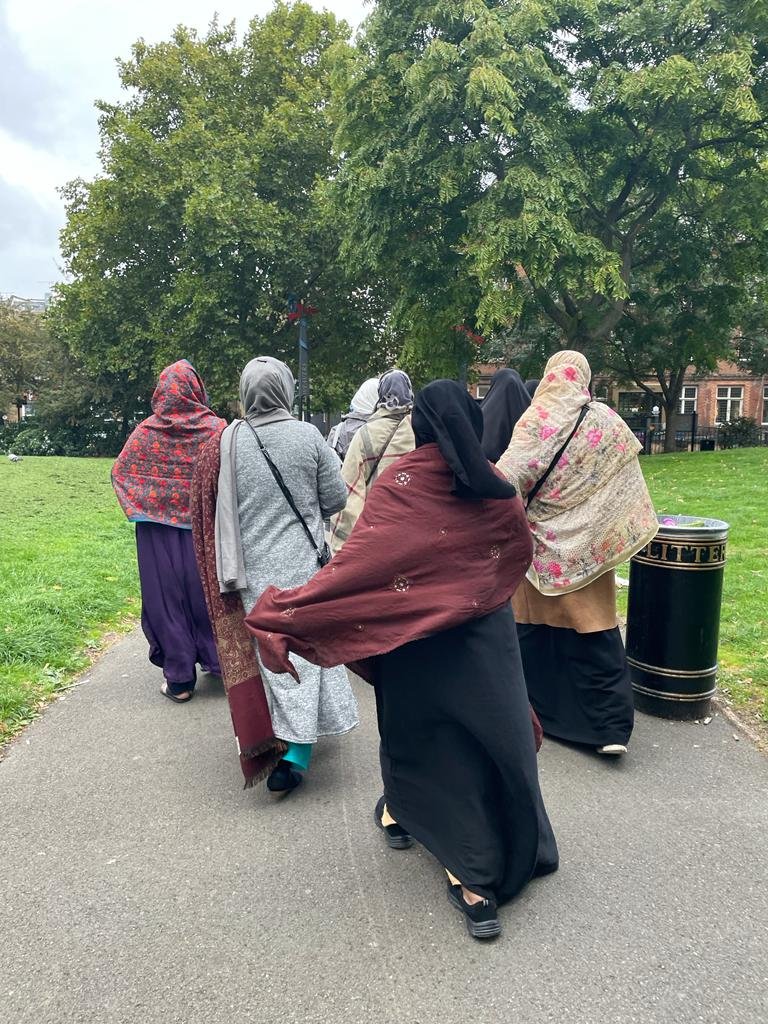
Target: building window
[482,390]
[688,398]
[632,402]
[729,401]
[765,405]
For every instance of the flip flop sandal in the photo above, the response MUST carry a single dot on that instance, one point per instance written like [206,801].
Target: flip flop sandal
[172,696]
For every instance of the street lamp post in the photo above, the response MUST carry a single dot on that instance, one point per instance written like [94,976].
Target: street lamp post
[299,313]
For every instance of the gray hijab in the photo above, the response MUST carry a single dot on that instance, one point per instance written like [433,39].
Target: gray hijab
[267,387]
[395,391]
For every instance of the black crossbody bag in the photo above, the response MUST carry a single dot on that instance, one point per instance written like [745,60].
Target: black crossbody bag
[323,553]
[542,480]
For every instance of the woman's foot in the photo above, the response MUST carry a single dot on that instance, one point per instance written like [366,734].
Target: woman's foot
[396,836]
[178,698]
[481,915]
[283,778]
[613,749]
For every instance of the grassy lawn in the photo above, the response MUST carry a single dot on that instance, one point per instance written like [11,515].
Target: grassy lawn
[67,577]
[68,569]
[731,485]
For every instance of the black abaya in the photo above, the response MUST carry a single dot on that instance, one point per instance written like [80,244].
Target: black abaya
[578,683]
[458,759]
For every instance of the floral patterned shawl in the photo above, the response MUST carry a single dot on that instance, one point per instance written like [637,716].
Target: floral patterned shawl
[594,511]
[152,473]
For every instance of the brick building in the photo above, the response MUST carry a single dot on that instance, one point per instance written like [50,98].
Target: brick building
[725,394]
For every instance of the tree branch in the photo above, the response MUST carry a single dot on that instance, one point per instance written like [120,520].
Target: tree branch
[545,300]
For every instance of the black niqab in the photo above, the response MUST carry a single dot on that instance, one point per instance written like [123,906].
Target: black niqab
[502,407]
[445,414]
[531,385]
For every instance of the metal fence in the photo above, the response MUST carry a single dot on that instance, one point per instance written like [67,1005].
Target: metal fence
[707,439]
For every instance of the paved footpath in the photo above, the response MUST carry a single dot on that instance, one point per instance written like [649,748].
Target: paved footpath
[140,883]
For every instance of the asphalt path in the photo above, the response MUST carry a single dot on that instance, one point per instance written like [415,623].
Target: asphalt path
[139,882]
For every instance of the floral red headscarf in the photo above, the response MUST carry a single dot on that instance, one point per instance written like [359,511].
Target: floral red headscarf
[152,473]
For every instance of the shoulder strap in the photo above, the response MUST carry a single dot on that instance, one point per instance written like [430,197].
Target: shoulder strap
[543,479]
[382,453]
[284,488]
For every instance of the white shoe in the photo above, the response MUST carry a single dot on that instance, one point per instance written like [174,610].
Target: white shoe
[612,748]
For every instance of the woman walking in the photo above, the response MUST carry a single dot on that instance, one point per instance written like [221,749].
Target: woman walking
[278,480]
[151,478]
[360,410]
[418,601]
[574,462]
[502,407]
[381,441]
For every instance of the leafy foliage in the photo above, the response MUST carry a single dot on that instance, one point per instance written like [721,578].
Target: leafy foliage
[23,345]
[212,208]
[507,156]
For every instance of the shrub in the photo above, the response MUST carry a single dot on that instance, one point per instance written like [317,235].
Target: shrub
[740,433]
[38,438]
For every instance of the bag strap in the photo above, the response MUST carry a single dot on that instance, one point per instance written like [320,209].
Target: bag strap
[382,453]
[284,488]
[543,479]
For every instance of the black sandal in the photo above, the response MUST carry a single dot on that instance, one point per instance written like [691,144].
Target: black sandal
[172,696]
[396,836]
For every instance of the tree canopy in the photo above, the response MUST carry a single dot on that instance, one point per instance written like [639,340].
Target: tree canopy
[211,209]
[24,343]
[512,160]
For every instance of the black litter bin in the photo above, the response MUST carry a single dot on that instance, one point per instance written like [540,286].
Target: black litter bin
[707,444]
[673,618]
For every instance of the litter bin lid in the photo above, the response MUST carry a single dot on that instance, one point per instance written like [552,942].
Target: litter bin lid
[691,528]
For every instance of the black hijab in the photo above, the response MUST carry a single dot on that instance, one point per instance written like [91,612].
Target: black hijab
[502,407]
[445,414]
[531,385]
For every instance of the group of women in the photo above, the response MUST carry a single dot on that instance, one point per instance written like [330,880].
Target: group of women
[474,597]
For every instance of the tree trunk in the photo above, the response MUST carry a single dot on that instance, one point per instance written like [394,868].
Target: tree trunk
[670,443]
[670,401]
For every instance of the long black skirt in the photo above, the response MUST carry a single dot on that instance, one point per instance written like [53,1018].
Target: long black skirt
[458,758]
[578,683]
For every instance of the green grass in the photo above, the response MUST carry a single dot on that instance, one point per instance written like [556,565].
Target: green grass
[67,577]
[68,568]
[730,485]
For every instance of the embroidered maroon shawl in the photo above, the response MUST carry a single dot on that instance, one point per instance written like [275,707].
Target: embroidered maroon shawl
[419,560]
[152,474]
[259,750]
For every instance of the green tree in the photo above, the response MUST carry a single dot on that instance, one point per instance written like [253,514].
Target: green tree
[503,156]
[211,209]
[23,346]
[694,285]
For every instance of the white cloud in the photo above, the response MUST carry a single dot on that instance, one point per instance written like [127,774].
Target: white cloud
[68,50]
[33,169]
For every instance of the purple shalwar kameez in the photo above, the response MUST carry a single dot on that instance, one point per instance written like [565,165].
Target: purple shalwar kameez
[174,616]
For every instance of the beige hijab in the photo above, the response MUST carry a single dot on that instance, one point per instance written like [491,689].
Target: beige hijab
[594,511]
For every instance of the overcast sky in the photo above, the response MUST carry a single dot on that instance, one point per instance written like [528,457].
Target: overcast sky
[56,58]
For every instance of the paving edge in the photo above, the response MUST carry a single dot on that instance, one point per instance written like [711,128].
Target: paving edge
[107,641]
[760,741]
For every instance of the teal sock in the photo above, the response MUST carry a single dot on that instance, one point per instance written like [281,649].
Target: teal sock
[299,754]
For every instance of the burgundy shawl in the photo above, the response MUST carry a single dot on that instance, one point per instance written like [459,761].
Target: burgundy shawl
[419,560]
[258,748]
[153,472]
